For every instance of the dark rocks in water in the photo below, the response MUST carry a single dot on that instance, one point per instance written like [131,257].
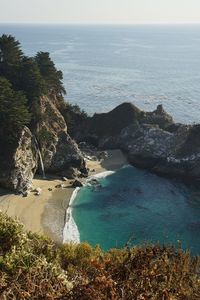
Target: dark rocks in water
[77,183]
[95,184]
[94,181]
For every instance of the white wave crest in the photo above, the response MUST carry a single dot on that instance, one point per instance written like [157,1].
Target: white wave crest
[101,175]
[70,231]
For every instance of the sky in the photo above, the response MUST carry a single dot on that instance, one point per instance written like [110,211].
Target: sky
[100,11]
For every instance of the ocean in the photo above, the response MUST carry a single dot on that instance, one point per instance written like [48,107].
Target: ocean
[136,207]
[148,65]
[104,66]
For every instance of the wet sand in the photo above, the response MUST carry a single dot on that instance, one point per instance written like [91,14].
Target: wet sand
[45,214]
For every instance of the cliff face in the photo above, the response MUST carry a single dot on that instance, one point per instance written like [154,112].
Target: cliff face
[109,125]
[60,153]
[149,139]
[18,170]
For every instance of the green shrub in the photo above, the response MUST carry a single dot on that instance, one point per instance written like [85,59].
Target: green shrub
[11,234]
[34,267]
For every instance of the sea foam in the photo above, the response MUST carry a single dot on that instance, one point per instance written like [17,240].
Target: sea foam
[100,175]
[70,231]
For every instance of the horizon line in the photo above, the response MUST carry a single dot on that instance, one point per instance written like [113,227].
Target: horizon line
[101,24]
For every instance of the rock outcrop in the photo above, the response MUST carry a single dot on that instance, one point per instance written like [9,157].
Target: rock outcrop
[48,141]
[60,152]
[149,139]
[109,125]
[17,172]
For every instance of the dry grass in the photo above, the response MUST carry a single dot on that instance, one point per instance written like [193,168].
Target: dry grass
[33,267]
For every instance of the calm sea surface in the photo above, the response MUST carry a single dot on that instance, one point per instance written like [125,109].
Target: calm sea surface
[104,66]
[135,205]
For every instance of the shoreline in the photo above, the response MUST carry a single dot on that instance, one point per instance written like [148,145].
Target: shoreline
[70,230]
[46,214]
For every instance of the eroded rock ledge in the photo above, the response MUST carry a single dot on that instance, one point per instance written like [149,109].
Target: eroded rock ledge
[149,139]
[48,136]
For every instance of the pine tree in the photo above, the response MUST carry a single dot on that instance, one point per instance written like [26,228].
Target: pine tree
[50,74]
[30,79]
[13,112]
[10,58]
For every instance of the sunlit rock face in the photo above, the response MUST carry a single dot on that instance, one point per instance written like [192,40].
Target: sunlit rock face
[19,170]
[59,151]
[149,139]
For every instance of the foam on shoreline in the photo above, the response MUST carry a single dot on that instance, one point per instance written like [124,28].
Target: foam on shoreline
[70,231]
[100,175]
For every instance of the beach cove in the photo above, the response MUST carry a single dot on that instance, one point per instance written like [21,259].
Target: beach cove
[46,213]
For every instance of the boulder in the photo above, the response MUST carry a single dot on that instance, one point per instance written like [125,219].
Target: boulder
[103,155]
[64,179]
[77,183]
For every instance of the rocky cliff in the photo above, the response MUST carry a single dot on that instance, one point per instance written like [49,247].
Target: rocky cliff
[48,136]
[109,125]
[60,152]
[20,164]
[149,139]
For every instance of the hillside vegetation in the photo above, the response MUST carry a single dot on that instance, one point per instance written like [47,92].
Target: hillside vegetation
[23,80]
[33,267]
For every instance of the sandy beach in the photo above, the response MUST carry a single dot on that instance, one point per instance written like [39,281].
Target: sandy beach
[45,214]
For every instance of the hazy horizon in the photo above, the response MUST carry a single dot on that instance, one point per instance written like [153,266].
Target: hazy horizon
[95,12]
[98,24]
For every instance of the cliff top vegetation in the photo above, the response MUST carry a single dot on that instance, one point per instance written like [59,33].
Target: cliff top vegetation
[34,267]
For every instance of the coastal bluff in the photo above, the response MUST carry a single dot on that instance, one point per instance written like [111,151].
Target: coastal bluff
[150,140]
[46,145]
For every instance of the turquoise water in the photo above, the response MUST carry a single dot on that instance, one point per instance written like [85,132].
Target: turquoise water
[148,65]
[134,204]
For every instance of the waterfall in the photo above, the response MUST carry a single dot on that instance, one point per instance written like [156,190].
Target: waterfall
[40,157]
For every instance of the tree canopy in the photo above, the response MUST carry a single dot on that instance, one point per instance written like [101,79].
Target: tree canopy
[10,50]
[23,80]
[13,111]
[50,74]
[31,80]
[35,76]
[10,58]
